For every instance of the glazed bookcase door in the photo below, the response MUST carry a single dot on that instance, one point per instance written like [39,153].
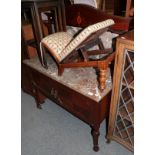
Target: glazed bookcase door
[124,124]
[121,116]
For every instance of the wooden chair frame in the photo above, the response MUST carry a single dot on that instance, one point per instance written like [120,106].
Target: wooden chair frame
[80,18]
[84,61]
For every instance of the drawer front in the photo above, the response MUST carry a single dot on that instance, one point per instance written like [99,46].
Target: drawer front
[71,100]
[82,108]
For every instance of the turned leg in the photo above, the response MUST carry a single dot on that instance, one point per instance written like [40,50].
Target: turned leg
[95,133]
[102,78]
[39,98]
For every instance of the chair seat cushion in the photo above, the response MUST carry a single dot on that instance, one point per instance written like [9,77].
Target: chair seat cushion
[85,34]
[56,42]
[61,44]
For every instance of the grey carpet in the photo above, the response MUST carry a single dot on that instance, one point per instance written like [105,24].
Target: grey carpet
[54,131]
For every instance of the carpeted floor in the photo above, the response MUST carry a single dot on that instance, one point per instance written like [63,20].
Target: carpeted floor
[54,131]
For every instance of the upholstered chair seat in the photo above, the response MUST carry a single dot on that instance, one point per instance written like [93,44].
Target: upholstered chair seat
[65,47]
[61,44]
[56,42]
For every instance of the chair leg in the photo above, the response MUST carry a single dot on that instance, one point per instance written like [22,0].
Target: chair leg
[60,70]
[102,78]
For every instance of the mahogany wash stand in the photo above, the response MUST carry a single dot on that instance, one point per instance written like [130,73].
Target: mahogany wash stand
[81,97]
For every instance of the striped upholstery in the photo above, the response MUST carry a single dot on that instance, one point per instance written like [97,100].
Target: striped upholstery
[61,44]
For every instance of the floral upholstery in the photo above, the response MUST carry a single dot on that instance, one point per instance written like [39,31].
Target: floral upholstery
[61,44]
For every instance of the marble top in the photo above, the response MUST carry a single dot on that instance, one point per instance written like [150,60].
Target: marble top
[82,80]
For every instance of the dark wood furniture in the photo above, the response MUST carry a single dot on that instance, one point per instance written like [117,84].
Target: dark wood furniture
[107,6]
[82,99]
[123,7]
[121,119]
[117,7]
[74,60]
[33,29]
[40,85]
[81,18]
[33,9]
[101,64]
[27,52]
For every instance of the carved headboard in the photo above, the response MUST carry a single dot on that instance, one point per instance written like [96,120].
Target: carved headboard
[81,15]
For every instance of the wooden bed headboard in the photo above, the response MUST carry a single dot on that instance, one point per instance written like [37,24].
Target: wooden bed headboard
[81,15]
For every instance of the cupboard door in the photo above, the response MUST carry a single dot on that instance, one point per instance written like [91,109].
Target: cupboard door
[121,118]
[124,123]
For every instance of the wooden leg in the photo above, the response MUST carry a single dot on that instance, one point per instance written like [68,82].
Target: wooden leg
[39,98]
[45,64]
[44,60]
[107,124]
[102,78]
[42,57]
[60,71]
[95,133]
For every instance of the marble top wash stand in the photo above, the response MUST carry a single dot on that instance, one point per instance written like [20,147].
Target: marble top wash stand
[76,91]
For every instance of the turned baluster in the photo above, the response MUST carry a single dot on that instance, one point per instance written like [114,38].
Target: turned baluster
[102,78]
